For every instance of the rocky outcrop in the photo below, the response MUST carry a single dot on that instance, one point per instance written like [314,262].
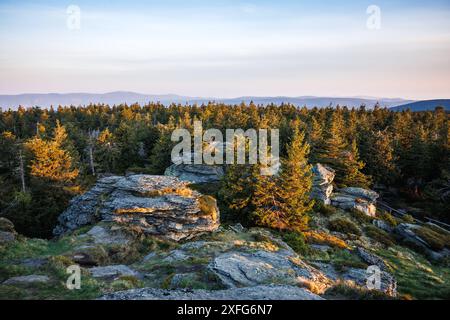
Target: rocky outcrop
[359,199]
[84,210]
[263,292]
[346,198]
[157,205]
[322,183]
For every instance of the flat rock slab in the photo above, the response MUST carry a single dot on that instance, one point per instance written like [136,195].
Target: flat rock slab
[27,279]
[112,272]
[264,292]
[238,269]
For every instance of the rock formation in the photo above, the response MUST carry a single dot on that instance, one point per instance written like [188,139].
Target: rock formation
[346,198]
[158,205]
[356,198]
[322,183]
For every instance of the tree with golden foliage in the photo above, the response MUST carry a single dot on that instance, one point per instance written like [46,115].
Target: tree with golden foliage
[50,160]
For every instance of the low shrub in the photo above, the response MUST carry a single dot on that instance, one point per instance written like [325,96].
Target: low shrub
[349,291]
[437,241]
[344,226]
[323,238]
[388,218]
[342,259]
[379,235]
[361,217]
[324,209]
[296,241]
[407,218]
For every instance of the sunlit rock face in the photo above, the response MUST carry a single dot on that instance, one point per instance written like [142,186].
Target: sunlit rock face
[359,199]
[158,205]
[323,177]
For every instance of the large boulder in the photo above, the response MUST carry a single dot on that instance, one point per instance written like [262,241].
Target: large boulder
[158,205]
[263,292]
[322,183]
[359,199]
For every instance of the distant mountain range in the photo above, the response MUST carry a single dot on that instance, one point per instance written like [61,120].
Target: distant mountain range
[424,105]
[111,98]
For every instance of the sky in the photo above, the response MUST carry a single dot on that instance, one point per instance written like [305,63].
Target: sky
[228,48]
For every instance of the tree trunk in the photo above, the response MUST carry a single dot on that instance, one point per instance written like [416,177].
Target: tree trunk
[22,171]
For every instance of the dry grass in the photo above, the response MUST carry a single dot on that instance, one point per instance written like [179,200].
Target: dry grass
[318,237]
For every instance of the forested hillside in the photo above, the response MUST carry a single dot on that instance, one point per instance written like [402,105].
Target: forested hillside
[49,155]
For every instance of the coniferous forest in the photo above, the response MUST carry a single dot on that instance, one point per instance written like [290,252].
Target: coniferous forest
[48,156]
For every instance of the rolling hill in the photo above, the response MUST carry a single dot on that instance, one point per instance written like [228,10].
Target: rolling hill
[118,97]
[425,105]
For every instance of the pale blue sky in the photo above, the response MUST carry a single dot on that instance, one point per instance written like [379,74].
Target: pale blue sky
[227,48]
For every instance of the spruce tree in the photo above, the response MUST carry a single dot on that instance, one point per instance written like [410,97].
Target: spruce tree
[106,152]
[351,169]
[296,183]
[282,202]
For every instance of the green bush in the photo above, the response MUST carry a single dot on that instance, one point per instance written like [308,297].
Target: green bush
[324,209]
[297,242]
[344,226]
[379,235]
